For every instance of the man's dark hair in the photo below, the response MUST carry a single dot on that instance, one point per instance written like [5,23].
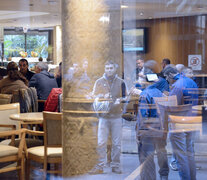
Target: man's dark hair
[110,62]
[166,61]
[23,60]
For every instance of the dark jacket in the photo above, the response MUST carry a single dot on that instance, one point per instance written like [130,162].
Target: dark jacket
[29,75]
[43,82]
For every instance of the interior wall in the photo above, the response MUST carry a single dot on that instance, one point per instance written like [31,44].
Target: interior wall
[173,38]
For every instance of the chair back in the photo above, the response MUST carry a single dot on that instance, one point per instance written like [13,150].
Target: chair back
[179,110]
[52,124]
[5,98]
[166,101]
[148,123]
[185,123]
[6,110]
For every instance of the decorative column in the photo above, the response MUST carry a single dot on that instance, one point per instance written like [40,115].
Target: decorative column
[91,30]
[57,55]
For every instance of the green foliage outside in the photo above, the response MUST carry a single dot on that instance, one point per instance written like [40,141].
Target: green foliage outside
[13,44]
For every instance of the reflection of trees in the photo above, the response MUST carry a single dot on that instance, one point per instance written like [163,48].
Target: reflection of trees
[38,44]
[13,44]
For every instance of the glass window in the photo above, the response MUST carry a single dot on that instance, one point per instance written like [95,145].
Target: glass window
[31,44]
[13,44]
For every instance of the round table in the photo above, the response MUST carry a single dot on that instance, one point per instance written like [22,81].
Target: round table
[28,118]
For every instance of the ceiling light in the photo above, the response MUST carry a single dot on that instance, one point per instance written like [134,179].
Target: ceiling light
[105,18]
[141,14]
[124,6]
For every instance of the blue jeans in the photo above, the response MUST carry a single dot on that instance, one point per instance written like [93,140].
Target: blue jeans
[114,127]
[146,149]
[182,146]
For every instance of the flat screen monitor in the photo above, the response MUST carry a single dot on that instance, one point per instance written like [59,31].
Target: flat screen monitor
[152,77]
[134,40]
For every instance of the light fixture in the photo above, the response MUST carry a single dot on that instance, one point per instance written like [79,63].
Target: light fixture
[124,6]
[141,13]
[105,18]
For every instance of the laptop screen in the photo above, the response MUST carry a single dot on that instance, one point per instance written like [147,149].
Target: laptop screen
[152,77]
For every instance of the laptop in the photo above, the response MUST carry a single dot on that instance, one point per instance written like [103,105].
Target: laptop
[152,77]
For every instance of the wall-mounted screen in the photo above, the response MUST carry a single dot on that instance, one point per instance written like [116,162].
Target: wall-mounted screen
[134,40]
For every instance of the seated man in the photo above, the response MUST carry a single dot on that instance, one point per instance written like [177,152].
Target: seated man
[139,75]
[43,81]
[23,65]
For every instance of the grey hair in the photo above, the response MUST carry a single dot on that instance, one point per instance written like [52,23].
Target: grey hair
[180,67]
[170,69]
[42,66]
[151,64]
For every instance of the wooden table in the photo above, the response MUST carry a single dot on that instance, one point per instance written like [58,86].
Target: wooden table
[197,109]
[28,118]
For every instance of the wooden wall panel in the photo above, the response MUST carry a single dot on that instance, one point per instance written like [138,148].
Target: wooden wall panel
[175,38]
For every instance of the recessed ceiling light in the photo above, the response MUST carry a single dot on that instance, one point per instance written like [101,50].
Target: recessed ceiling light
[124,6]
[141,14]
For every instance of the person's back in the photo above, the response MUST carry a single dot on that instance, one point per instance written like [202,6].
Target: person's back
[43,81]
[178,89]
[14,81]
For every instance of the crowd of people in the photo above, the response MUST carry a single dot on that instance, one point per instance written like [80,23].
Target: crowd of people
[171,81]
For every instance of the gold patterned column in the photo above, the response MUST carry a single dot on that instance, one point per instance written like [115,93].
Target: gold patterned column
[57,53]
[92,31]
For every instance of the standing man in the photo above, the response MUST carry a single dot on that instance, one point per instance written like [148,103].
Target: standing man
[182,142]
[110,87]
[23,65]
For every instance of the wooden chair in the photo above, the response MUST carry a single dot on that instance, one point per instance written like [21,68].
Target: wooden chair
[51,152]
[5,98]
[5,122]
[149,122]
[166,100]
[6,110]
[185,123]
[179,110]
[13,154]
